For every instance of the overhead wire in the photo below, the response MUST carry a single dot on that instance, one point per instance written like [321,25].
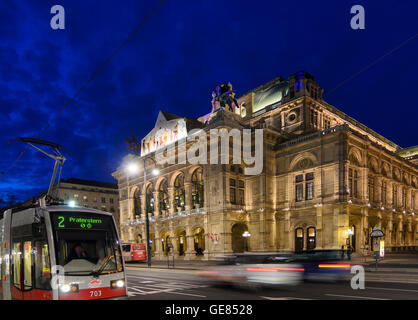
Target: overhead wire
[78,92]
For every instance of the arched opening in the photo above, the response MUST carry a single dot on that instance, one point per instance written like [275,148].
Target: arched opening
[139,239]
[199,241]
[181,242]
[238,241]
[150,199]
[165,240]
[299,240]
[137,204]
[163,197]
[179,193]
[197,189]
[311,244]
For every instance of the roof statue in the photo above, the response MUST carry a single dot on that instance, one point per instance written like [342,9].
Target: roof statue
[223,96]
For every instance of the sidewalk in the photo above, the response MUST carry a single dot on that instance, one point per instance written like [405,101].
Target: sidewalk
[178,264]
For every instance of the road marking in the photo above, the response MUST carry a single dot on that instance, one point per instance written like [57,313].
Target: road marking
[394,281]
[391,289]
[355,297]
[188,294]
[137,290]
[284,298]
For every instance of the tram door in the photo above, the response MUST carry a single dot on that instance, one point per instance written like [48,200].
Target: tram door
[21,284]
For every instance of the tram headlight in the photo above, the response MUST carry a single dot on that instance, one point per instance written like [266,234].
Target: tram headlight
[116,284]
[65,288]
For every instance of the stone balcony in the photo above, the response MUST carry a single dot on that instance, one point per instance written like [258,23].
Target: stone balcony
[167,216]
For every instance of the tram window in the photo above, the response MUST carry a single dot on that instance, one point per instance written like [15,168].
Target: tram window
[16,264]
[81,252]
[27,265]
[42,265]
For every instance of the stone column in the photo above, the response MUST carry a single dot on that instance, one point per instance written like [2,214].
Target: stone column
[319,240]
[288,245]
[336,229]
[157,245]
[415,236]
[389,230]
[271,232]
[170,200]
[190,253]
[143,207]
[378,191]
[398,236]
[188,195]
[156,205]
[408,238]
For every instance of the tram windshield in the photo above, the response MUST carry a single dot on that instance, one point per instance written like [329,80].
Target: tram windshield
[86,244]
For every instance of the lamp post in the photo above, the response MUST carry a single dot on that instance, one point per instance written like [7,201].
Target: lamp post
[246,235]
[155,172]
[133,168]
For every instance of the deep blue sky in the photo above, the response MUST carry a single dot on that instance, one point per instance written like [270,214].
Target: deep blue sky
[173,64]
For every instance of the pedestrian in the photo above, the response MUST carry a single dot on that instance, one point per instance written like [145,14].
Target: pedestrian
[349,252]
[342,252]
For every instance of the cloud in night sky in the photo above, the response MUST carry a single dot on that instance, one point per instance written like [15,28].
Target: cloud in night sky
[174,62]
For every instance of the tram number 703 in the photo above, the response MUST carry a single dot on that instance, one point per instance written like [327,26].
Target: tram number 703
[96,293]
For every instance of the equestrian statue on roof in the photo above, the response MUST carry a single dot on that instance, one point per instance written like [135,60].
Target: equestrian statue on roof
[224,96]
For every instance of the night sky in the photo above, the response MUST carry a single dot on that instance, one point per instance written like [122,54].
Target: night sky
[174,62]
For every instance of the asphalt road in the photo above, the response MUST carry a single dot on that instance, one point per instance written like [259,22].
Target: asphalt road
[155,284]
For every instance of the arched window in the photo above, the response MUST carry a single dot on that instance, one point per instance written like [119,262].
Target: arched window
[163,196]
[311,238]
[179,193]
[353,182]
[150,199]
[137,203]
[197,188]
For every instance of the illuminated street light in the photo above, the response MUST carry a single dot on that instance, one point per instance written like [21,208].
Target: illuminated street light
[348,233]
[71,204]
[246,235]
[155,172]
[132,168]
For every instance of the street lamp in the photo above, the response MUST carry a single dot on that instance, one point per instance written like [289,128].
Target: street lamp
[133,168]
[348,233]
[155,172]
[246,235]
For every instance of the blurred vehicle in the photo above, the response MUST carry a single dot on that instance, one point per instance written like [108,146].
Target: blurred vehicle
[321,265]
[254,270]
[134,252]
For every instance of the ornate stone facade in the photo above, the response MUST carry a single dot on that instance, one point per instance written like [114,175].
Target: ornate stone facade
[323,175]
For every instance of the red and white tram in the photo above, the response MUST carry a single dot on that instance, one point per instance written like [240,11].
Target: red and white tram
[57,252]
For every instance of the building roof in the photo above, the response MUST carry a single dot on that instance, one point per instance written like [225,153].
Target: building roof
[90,183]
[170,116]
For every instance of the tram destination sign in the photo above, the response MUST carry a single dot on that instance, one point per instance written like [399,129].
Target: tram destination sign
[77,221]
